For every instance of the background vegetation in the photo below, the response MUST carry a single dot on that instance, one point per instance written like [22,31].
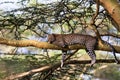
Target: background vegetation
[34,19]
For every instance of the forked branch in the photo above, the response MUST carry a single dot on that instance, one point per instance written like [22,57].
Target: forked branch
[50,67]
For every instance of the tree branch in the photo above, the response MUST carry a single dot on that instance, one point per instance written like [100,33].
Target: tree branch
[111,34]
[49,67]
[92,22]
[45,45]
[113,8]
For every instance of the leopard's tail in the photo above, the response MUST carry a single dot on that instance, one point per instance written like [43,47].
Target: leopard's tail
[113,51]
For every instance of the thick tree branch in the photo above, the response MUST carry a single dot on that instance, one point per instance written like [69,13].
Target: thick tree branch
[113,8]
[45,45]
[49,67]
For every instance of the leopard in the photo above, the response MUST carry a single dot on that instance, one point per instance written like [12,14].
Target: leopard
[90,43]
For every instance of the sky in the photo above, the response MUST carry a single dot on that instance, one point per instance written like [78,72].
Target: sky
[9,6]
[47,1]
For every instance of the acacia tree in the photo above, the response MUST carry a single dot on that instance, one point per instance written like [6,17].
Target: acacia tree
[96,17]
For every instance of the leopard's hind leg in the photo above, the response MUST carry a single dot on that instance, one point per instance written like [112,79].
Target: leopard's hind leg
[91,53]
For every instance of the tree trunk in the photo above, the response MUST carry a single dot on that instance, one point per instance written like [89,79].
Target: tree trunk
[113,8]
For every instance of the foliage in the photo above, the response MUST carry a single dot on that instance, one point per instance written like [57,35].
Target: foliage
[69,16]
[10,65]
[34,20]
[111,72]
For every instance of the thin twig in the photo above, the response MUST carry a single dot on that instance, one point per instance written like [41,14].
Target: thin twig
[97,12]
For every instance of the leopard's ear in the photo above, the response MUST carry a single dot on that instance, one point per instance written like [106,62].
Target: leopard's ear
[51,38]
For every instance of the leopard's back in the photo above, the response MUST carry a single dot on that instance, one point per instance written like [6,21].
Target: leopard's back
[81,39]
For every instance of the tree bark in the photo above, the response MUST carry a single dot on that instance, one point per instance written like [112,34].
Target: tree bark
[45,45]
[113,8]
[56,65]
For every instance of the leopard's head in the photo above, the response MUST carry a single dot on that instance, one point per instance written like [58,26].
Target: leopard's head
[51,38]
